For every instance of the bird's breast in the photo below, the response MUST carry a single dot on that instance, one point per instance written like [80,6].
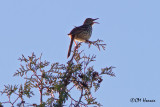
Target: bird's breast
[83,34]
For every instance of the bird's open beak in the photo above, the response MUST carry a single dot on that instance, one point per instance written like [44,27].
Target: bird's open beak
[94,20]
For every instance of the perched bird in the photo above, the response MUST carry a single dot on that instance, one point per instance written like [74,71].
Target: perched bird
[81,33]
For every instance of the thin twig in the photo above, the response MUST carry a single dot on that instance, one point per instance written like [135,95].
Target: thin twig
[74,52]
[80,98]
[71,88]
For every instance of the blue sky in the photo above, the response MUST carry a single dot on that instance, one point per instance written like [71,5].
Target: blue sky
[130,28]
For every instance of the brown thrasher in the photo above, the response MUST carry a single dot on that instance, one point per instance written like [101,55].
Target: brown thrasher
[81,33]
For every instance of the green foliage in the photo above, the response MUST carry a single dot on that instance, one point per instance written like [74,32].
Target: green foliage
[57,82]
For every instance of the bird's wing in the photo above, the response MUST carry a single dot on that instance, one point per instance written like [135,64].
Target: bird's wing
[78,30]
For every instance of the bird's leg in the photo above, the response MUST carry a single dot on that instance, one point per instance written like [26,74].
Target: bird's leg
[87,41]
[75,43]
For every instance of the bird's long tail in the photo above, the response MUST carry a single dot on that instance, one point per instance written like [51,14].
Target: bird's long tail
[70,46]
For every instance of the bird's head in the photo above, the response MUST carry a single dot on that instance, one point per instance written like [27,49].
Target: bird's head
[90,21]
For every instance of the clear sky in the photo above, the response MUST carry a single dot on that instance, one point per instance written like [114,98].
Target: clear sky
[130,28]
